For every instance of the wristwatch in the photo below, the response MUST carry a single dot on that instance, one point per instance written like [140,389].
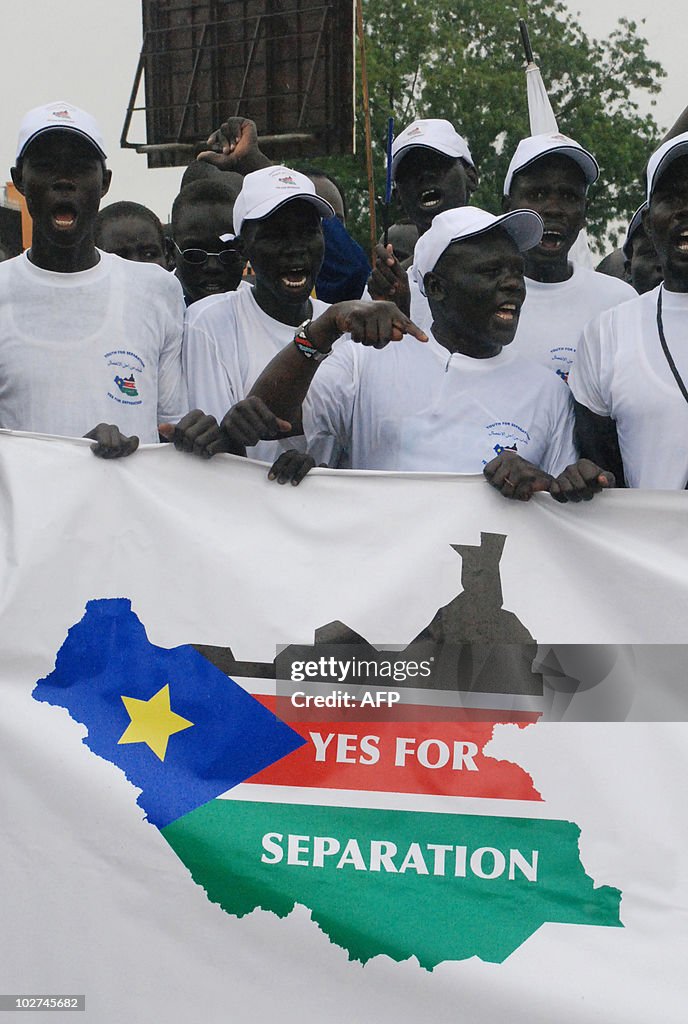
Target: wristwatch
[306,346]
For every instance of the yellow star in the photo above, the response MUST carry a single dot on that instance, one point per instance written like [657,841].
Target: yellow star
[152,722]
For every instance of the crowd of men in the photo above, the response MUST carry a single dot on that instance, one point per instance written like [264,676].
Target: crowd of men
[256,326]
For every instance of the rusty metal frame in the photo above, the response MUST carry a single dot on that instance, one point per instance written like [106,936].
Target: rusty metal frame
[192,80]
[150,51]
[311,73]
[249,62]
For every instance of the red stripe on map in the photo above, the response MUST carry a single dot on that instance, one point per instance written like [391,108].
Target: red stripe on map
[437,757]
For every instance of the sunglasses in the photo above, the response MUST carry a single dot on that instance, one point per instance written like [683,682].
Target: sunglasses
[197,257]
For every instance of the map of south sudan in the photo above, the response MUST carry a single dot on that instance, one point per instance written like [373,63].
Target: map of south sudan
[403,883]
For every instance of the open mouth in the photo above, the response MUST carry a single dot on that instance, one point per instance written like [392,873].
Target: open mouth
[64,218]
[682,242]
[295,279]
[430,198]
[507,312]
[552,241]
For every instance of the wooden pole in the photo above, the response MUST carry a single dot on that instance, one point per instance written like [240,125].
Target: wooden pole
[368,136]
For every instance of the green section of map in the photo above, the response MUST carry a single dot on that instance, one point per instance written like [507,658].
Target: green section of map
[400,883]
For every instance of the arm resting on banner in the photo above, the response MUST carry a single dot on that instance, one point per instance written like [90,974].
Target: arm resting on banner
[598,441]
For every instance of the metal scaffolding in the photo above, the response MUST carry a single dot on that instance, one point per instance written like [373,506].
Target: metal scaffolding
[287,64]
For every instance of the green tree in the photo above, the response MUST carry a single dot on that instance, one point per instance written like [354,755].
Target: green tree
[463,60]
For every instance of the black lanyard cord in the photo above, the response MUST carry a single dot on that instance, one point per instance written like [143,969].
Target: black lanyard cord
[665,348]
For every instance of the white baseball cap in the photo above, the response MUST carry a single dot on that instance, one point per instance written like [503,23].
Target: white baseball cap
[635,222]
[536,146]
[662,157]
[63,116]
[433,133]
[524,226]
[268,189]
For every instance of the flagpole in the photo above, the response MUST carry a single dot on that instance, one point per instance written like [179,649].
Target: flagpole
[388,184]
[368,134]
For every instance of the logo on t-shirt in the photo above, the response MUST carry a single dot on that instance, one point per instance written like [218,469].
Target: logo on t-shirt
[123,385]
[128,386]
[562,360]
[506,437]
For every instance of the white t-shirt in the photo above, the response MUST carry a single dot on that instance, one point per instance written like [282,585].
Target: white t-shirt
[621,372]
[100,345]
[420,307]
[415,407]
[553,315]
[228,342]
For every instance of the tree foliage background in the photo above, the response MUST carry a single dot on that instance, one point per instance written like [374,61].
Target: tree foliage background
[463,60]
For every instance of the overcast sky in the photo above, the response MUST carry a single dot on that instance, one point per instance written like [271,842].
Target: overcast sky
[85,51]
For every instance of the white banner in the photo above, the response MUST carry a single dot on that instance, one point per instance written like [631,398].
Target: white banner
[172,851]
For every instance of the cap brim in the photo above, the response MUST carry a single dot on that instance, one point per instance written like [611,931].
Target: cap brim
[679,150]
[585,161]
[453,154]
[525,227]
[61,128]
[264,210]
[635,223]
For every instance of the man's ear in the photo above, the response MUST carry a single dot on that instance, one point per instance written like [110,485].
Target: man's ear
[434,286]
[107,179]
[243,243]
[17,178]
[506,204]
[647,227]
[472,179]
[583,219]
[170,253]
